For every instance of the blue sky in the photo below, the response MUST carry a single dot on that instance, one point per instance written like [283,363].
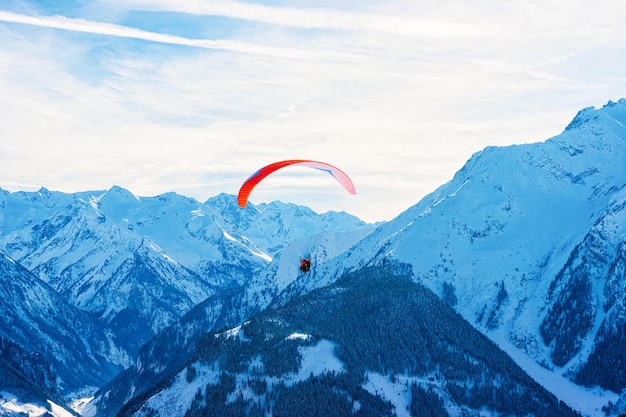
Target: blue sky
[193,96]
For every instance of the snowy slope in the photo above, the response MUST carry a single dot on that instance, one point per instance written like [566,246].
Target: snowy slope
[587,322]
[10,405]
[87,257]
[494,241]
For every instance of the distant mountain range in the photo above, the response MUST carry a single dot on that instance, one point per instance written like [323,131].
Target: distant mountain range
[92,276]
[204,307]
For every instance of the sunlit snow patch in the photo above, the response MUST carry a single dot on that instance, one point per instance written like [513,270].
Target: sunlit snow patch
[318,359]
[10,405]
[254,252]
[177,399]
[196,213]
[396,393]
[301,336]
[84,406]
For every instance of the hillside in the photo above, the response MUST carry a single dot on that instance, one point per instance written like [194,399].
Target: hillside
[373,344]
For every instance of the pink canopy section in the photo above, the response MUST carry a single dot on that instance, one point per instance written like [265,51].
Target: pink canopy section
[257,177]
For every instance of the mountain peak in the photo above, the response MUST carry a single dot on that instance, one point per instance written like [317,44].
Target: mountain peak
[591,115]
[116,202]
[223,201]
[120,194]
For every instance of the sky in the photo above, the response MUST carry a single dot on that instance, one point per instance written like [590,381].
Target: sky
[194,96]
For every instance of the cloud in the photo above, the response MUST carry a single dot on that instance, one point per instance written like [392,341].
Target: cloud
[314,18]
[81,25]
[399,111]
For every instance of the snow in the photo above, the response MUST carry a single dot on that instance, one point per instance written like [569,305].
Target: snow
[10,404]
[234,332]
[587,401]
[84,406]
[300,336]
[228,236]
[321,247]
[58,411]
[177,398]
[396,393]
[318,359]
[8,258]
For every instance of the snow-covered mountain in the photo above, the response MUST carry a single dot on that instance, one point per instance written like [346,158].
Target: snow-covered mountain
[140,263]
[130,266]
[587,321]
[526,242]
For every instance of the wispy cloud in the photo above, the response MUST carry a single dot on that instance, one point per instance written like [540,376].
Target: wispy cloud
[316,18]
[100,28]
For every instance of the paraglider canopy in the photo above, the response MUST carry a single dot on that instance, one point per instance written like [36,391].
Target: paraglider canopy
[257,177]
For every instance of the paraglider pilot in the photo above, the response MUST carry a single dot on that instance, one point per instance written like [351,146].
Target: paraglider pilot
[305,265]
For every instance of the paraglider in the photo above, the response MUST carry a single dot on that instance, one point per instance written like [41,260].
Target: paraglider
[257,177]
[305,265]
[261,174]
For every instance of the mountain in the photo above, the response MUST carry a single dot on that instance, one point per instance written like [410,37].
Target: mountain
[587,321]
[526,242]
[165,353]
[28,384]
[55,347]
[26,374]
[116,255]
[176,344]
[373,344]
[126,267]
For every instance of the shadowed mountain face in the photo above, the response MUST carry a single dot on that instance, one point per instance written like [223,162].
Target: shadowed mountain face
[60,339]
